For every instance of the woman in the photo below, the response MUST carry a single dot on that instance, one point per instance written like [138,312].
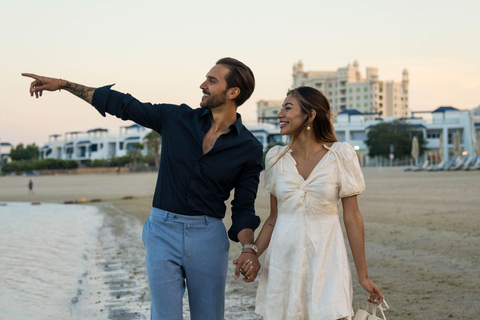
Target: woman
[307,273]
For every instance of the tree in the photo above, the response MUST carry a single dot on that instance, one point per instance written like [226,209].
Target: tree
[153,140]
[397,133]
[24,153]
[134,150]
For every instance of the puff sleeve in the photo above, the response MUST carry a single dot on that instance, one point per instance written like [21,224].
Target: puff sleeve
[351,181]
[270,169]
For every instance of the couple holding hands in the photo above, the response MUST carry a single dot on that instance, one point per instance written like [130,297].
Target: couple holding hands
[206,153]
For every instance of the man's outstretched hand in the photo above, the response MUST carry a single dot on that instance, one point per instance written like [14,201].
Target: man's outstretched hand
[42,83]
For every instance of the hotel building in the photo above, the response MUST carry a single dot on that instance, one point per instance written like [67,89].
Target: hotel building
[92,144]
[346,89]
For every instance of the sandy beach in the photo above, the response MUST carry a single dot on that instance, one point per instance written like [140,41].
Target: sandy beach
[422,234]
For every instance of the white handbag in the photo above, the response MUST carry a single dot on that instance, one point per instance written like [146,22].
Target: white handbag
[362,314]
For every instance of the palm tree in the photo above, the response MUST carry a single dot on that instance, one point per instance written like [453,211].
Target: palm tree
[153,140]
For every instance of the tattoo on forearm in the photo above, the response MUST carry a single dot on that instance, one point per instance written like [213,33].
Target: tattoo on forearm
[83,92]
[271,225]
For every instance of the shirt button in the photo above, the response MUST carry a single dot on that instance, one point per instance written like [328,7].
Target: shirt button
[175,217]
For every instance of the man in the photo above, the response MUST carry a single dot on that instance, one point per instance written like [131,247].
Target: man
[206,152]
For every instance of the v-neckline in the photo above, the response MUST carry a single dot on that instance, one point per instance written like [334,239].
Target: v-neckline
[314,168]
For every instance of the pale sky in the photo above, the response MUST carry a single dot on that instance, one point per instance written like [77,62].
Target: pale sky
[160,51]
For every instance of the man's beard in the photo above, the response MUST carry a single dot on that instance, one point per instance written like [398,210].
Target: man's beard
[214,101]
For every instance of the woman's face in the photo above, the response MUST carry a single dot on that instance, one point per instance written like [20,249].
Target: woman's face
[291,116]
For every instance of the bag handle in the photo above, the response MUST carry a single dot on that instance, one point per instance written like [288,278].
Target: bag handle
[374,307]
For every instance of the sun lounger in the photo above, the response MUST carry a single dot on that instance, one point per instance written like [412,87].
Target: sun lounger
[446,166]
[476,164]
[471,160]
[459,162]
[421,167]
[441,164]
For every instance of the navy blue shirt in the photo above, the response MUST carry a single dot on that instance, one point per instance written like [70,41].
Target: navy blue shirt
[190,182]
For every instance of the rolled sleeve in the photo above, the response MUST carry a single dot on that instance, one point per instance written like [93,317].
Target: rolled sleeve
[243,204]
[100,97]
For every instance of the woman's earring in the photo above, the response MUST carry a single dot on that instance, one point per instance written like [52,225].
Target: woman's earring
[308,128]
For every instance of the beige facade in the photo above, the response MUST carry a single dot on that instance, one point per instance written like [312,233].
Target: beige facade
[347,89]
[267,111]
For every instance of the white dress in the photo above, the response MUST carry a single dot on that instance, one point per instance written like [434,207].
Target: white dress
[306,272]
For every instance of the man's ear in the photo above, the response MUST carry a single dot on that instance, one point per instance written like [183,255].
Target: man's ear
[233,93]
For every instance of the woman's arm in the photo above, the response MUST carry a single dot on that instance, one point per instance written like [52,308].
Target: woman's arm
[263,239]
[355,233]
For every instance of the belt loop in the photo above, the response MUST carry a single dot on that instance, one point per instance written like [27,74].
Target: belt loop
[206,220]
[166,216]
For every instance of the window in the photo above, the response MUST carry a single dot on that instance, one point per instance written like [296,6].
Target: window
[350,90]
[365,89]
[365,97]
[358,98]
[350,98]
[120,146]
[358,135]
[433,134]
[329,85]
[358,89]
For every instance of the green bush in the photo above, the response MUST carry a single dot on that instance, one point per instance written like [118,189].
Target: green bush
[27,166]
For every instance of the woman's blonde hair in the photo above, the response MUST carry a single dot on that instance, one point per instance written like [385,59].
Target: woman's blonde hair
[322,125]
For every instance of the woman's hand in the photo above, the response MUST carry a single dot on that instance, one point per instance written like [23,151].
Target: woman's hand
[376,295]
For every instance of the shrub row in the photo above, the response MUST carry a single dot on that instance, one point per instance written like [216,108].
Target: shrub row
[35,164]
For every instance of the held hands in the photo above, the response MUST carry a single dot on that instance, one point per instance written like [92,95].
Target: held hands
[42,83]
[248,265]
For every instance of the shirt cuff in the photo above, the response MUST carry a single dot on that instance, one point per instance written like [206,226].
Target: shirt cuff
[99,100]
[242,222]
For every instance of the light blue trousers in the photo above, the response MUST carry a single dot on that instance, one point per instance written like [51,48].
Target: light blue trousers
[189,251]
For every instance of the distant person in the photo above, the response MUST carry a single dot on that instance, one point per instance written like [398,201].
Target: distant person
[206,152]
[306,271]
[30,187]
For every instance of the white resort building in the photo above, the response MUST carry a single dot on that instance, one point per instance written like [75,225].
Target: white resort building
[352,126]
[5,148]
[92,144]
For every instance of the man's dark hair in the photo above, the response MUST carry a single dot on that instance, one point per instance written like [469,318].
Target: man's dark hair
[239,76]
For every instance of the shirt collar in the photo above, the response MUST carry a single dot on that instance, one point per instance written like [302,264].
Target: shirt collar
[237,124]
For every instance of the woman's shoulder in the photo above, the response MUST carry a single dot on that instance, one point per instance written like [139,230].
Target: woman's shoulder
[276,150]
[273,153]
[344,150]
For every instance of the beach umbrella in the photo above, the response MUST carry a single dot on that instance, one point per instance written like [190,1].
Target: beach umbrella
[457,146]
[440,147]
[477,144]
[415,149]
